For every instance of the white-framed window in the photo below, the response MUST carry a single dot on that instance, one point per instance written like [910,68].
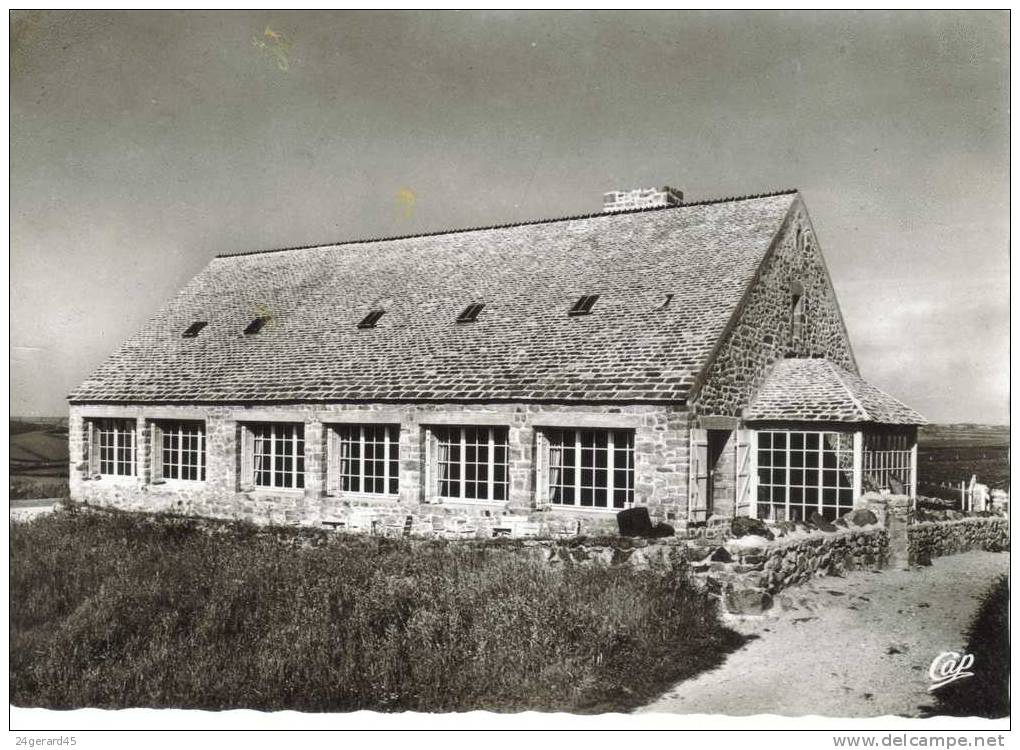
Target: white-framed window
[363,458]
[590,468]
[889,463]
[113,447]
[800,472]
[178,450]
[274,455]
[470,463]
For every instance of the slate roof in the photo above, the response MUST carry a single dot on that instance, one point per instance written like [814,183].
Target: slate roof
[817,390]
[523,345]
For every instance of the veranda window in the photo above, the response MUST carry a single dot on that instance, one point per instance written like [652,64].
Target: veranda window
[178,451]
[800,472]
[888,463]
[470,463]
[364,459]
[113,447]
[591,468]
[276,451]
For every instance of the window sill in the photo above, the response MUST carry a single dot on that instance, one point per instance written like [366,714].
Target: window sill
[266,492]
[470,503]
[126,481]
[177,483]
[582,508]
[362,497]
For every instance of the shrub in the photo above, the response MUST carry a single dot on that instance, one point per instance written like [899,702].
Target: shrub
[985,694]
[114,610]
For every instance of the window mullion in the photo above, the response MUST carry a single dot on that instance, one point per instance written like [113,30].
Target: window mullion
[821,470]
[463,463]
[293,456]
[577,467]
[361,458]
[789,473]
[492,463]
[386,459]
[610,473]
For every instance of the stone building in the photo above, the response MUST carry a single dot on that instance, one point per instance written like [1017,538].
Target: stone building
[686,357]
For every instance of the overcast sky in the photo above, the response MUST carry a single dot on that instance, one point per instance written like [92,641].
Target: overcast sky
[142,144]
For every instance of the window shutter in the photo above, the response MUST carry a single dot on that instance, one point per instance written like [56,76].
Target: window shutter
[697,494]
[155,453]
[332,461]
[92,449]
[746,471]
[247,478]
[541,469]
[431,467]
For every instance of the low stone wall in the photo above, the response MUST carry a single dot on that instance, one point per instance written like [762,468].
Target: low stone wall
[938,538]
[759,571]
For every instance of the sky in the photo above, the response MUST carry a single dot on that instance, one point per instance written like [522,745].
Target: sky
[144,143]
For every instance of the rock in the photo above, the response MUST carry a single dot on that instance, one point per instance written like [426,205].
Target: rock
[821,523]
[861,517]
[744,526]
[746,601]
[721,555]
[841,523]
[922,556]
[662,530]
[621,556]
[634,522]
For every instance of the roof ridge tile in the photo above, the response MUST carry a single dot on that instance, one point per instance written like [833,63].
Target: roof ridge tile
[508,225]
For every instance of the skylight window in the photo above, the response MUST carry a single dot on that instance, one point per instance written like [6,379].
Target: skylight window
[256,325]
[470,313]
[371,319]
[583,306]
[193,329]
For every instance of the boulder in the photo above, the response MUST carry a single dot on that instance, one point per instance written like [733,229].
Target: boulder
[820,522]
[922,556]
[720,555]
[861,517]
[746,601]
[662,530]
[634,522]
[743,526]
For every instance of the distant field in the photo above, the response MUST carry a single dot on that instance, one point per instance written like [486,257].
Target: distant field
[953,452]
[38,467]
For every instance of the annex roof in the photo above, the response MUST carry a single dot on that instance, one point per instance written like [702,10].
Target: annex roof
[631,347]
[816,390]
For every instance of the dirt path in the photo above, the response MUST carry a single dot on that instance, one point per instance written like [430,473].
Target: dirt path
[854,646]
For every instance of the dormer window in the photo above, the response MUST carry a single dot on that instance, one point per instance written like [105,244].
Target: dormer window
[256,325]
[193,330]
[470,313]
[371,319]
[583,306]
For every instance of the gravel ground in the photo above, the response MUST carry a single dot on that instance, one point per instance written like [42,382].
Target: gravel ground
[857,646]
[25,510]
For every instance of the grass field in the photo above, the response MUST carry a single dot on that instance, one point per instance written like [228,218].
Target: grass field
[114,610]
[951,453]
[38,467]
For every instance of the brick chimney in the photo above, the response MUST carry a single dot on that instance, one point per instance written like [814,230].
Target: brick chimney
[625,200]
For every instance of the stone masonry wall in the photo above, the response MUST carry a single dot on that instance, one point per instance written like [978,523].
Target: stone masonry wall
[660,474]
[939,538]
[763,333]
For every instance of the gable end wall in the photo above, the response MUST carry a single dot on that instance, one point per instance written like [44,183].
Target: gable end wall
[761,334]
